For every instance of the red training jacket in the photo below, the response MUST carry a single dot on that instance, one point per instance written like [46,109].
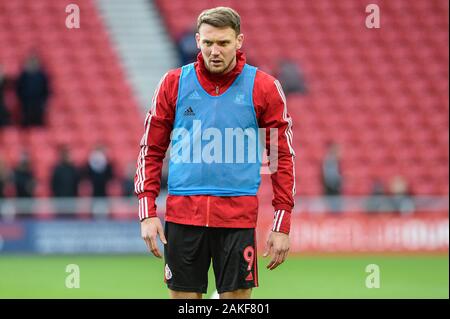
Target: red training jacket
[206,210]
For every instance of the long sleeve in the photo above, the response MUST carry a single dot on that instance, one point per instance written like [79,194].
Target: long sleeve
[274,115]
[154,143]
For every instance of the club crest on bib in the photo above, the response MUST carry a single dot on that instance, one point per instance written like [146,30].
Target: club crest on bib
[239,99]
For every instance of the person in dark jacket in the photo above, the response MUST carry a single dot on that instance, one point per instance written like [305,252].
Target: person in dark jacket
[187,47]
[65,177]
[4,113]
[99,171]
[291,77]
[64,184]
[4,176]
[332,177]
[33,92]
[24,180]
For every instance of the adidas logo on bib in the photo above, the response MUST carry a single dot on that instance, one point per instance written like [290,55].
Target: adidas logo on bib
[189,112]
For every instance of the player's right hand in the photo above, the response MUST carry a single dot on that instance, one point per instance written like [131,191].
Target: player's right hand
[150,228]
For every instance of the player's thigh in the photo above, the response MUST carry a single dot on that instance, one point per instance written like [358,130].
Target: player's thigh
[234,259]
[187,258]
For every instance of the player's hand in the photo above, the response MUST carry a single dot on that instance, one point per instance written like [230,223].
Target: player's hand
[150,228]
[278,247]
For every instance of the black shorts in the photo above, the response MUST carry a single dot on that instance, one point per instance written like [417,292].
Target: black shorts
[189,251]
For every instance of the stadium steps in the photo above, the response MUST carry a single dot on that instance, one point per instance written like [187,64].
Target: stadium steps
[141,41]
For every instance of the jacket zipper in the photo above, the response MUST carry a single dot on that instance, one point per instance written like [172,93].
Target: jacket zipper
[207,210]
[209,197]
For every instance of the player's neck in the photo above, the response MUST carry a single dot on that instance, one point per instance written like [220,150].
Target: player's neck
[230,67]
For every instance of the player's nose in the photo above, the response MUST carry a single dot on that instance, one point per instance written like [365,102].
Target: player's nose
[215,50]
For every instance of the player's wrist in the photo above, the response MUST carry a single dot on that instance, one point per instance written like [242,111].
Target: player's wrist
[284,231]
[147,207]
[146,219]
[282,221]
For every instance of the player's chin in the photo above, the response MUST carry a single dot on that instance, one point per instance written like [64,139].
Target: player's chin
[216,69]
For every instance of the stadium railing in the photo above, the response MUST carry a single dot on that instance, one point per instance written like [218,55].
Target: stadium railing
[127,207]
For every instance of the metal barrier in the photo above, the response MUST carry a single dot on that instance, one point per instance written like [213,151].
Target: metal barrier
[128,206]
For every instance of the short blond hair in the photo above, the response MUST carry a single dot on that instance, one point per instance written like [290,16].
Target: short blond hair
[220,17]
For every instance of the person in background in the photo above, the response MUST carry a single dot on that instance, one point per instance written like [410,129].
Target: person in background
[25,184]
[291,77]
[401,200]
[4,114]
[377,201]
[128,181]
[65,176]
[33,92]
[24,180]
[187,47]
[4,177]
[99,171]
[64,183]
[332,176]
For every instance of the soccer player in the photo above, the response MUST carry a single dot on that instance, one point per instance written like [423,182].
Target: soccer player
[212,207]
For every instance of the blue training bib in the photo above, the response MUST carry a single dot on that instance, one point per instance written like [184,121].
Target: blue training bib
[215,143]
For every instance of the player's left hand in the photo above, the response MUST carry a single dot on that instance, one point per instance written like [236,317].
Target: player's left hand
[278,247]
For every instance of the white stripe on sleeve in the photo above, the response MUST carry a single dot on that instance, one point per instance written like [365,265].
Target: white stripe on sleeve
[275,220]
[146,208]
[280,220]
[139,186]
[288,131]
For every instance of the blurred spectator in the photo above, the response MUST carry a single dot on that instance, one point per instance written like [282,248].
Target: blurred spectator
[187,47]
[128,180]
[4,114]
[377,201]
[99,171]
[65,177]
[331,170]
[291,77]
[33,92]
[332,177]
[401,200]
[24,180]
[4,177]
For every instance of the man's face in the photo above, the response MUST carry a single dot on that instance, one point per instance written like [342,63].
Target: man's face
[218,46]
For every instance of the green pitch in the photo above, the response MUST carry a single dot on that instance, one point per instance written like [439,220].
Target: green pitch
[300,277]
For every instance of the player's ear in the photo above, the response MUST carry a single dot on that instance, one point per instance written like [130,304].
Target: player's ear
[197,39]
[240,41]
